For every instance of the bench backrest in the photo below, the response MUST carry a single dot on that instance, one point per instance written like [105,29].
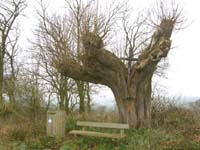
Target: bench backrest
[103,125]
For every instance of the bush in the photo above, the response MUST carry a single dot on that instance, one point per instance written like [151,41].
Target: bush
[13,132]
[149,139]
[5,111]
[171,116]
[70,123]
[13,129]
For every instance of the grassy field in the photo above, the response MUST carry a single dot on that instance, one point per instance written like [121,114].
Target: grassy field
[173,128]
[142,139]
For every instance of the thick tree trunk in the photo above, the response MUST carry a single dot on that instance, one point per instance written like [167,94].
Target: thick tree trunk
[134,105]
[144,103]
[127,111]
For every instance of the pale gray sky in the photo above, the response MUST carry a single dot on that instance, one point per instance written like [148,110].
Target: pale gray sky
[183,75]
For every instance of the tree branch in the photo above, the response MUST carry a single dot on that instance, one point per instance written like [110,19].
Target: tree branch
[159,46]
[98,65]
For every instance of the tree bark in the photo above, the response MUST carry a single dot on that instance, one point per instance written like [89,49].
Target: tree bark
[62,92]
[88,97]
[2,54]
[81,94]
[1,81]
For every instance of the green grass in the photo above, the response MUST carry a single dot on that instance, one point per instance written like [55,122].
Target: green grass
[172,129]
[140,139]
[13,146]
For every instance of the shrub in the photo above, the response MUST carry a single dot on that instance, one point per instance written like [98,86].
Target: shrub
[149,139]
[19,129]
[171,116]
[70,123]
[13,132]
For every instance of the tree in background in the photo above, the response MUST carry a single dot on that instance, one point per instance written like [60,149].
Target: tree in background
[10,10]
[54,35]
[77,11]
[11,70]
[30,94]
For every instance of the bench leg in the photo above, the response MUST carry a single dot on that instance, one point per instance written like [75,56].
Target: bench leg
[122,132]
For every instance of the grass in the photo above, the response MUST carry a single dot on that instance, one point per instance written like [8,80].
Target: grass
[142,139]
[173,128]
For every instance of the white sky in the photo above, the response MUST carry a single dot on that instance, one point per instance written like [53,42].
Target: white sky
[183,75]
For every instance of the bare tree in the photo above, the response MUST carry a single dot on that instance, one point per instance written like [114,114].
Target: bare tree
[11,69]
[52,34]
[29,93]
[77,11]
[9,12]
[58,34]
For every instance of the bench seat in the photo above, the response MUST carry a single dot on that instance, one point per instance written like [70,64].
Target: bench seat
[97,134]
[84,124]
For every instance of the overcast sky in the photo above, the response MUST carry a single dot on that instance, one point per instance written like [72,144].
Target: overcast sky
[183,75]
[184,72]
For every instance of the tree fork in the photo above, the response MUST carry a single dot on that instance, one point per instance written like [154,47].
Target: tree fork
[132,93]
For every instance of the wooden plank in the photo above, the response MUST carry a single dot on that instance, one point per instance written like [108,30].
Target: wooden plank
[122,132]
[97,134]
[103,125]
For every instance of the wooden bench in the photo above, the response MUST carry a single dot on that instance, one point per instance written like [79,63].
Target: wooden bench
[84,124]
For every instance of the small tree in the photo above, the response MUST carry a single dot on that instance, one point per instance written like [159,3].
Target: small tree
[9,12]
[11,69]
[55,35]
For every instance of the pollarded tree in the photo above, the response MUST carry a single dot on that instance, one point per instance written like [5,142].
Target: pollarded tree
[130,83]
